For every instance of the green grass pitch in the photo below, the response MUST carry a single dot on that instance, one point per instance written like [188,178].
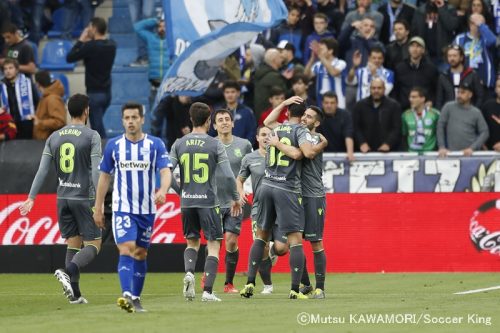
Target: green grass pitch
[34,303]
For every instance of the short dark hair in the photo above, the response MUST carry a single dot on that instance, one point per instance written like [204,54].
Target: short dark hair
[276,91]
[321,16]
[199,113]
[77,104]
[231,84]
[9,27]
[133,106]
[331,44]
[297,110]
[100,24]
[223,111]
[300,77]
[261,127]
[10,61]
[293,7]
[376,49]
[330,94]
[43,78]
[420,90]
[319,112]
[403,22]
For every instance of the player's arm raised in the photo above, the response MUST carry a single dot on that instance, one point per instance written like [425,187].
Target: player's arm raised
[271,120]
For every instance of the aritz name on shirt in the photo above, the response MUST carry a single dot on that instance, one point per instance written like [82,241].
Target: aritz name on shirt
[68,184]
[195,142]
[70,131]
[193,196]
[134,165]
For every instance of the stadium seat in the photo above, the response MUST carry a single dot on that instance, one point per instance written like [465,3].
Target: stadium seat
[125,40]
[35,51]
[122,91]
[124,56]
[54,55]
[57,20]
[120,25]
[64,80]
[113,120]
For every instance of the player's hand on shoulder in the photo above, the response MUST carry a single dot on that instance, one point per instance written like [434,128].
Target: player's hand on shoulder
[25,208]
[236,209]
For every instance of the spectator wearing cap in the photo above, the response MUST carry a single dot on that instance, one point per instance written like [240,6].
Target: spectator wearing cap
[397,50]
[461,126]
[328,70]
[50,113]
[436,22]
[320,31]
[291,65]
[491,113]
[416,71]
[289,31]
[457,73]
[478,44]
[392,11]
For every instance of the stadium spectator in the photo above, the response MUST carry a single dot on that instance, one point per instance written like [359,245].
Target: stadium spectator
[134,207]
[8,129]
[328,70]
[419,123]
[4,18]
[291,65]
[75,11]
[254,54]
[479,7]
[37,8]
[393,11]
[300,85]
[267,75]
[18,49]
[277,97]
[290,31]
[337,127]
[245,124]
[18,97]
[51,112]
[362,77]
[320,31]
[377,121]
[140,10]
[491,113]
[362,42]
[335,15]
[416,71]
[397,50]
[364,10]
[435,23]
[174,111]
[461,125]
[98,55]
[457,73]
[477,43]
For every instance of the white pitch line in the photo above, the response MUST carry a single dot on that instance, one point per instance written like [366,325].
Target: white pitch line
[476,290]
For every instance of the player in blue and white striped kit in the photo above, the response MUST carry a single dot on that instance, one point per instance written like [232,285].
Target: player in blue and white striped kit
[134,159]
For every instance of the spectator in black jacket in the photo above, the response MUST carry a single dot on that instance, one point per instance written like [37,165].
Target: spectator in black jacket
[392,11]
[491,113]
[98,54]
[416,71]
[436,22]
[397,50]
[449,81]
[377,121]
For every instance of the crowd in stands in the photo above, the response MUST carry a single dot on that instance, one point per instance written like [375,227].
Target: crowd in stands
[390,75]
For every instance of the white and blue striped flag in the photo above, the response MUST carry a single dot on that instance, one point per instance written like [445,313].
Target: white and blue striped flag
[201,33]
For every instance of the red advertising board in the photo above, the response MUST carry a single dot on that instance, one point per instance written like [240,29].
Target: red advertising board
[419,232]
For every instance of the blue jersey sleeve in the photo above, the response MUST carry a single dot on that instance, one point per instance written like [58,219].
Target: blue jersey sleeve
[107,162]
[162,159]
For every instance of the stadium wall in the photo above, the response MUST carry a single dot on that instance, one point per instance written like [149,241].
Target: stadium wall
[392,213]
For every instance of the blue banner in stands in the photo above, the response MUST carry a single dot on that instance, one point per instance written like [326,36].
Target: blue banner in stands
[202,33]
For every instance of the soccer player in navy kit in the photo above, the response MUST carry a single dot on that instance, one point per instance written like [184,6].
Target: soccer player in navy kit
[134,158]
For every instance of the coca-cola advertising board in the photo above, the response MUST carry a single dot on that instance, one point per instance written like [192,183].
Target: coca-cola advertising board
[419,232]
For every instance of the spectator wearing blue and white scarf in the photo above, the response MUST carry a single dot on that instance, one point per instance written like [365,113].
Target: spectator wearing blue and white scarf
[19,98]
